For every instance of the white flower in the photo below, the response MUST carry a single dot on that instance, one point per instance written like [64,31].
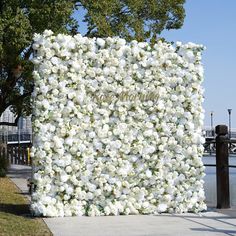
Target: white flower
[92,134]
[121,42]
[101,42]
[148,132]
[58,142]
[148,173]
[116,144]
[162,207]
[64,177]
[47,33]
[68,169]
[180,133]
[69,141]
[178,44]
[148,149]
[45,104]
[47,146]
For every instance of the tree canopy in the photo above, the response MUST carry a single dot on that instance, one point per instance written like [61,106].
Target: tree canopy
[20,19]
[133,19]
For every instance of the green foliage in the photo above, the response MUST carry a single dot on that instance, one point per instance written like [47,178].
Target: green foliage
[20,19]
[2,172]
[133,19]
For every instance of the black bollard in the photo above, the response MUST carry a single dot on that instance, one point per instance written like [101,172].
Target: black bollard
[222,167]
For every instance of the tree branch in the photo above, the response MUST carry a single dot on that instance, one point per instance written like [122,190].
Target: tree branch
[20,98]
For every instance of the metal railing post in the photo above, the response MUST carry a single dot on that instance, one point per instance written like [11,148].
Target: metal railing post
[222,169]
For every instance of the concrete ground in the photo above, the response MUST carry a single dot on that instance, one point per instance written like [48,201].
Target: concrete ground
[212,222]
[209,223]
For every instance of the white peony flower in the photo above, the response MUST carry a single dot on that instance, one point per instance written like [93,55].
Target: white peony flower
[148,173]
[162,207]
[64,177]
[101,42]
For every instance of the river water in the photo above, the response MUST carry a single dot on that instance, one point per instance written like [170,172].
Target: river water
[210,181]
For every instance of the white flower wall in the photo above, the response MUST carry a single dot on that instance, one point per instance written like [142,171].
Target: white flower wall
[117,127]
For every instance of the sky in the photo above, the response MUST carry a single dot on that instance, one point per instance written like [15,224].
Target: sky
[213,24]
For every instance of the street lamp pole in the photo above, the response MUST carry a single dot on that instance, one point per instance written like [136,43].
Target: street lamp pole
[212,129]
[229,111]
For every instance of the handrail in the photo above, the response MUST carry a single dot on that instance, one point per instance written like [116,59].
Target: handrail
[226,141]
[213,165]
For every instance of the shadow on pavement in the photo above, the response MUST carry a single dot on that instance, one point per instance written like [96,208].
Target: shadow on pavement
[208,228]
[203,221]
[223,231]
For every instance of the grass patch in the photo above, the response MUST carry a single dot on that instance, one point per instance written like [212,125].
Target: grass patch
[15,218]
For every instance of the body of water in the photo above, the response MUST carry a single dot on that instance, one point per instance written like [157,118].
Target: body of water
[210,181]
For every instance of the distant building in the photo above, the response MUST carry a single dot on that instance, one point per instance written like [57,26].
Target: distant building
[22,131]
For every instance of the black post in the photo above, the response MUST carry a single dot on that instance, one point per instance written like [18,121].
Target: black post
[222,169]
[212,129]
[229,111]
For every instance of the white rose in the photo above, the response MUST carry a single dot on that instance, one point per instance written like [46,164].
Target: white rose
[162,207]
[64,177]
[101,42]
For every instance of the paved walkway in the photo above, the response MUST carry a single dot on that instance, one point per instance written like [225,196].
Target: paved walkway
[19,175]
[209,223]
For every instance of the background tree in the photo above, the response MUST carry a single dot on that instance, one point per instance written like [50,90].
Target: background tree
[133,19]
[20,19]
